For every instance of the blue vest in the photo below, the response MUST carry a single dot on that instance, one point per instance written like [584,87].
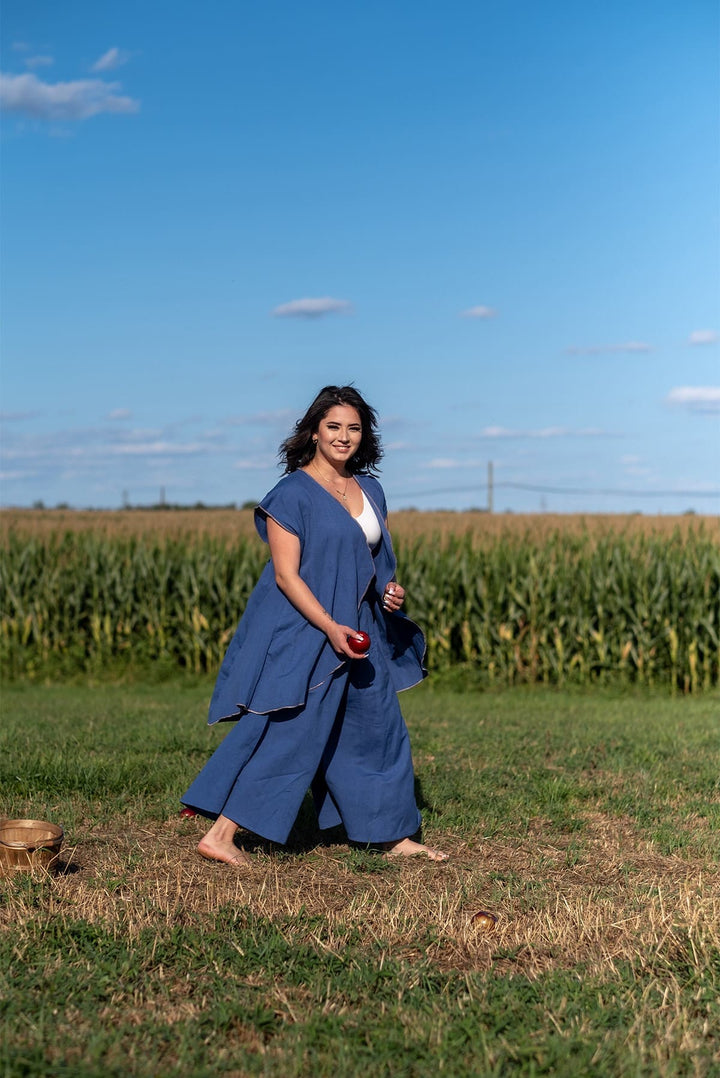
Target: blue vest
[276,656]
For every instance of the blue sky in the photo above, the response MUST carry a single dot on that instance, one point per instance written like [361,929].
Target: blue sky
[500,220]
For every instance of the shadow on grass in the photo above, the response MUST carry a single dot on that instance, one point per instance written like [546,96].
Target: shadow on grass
[306,835]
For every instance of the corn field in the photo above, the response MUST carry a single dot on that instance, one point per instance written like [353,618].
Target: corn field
[569,607]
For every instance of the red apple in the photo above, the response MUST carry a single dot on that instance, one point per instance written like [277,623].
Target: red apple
[187,813]
[359,642]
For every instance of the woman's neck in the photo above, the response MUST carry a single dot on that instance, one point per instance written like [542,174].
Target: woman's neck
[328,471]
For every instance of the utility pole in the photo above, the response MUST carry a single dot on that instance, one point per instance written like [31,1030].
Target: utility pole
[490,487]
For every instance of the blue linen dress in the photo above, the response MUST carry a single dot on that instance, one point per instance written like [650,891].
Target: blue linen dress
[309,717]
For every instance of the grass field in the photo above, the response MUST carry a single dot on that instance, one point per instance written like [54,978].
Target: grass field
[589,824]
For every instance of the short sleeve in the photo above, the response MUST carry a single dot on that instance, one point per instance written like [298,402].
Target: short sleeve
[283,504]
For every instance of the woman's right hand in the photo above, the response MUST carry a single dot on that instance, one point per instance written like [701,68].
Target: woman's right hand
[337,635]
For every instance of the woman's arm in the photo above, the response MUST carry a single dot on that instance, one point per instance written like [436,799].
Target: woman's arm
[285,553]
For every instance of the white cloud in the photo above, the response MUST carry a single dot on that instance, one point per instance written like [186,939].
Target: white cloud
[312,308]
[20,46]
[632,464]
[544,432]
[14,417]
[637,471]
[281,415]
[120,413]
[7,477]
[39,61]
[696,398]
[111,59]
[94,447]
[443,462]
[599,349]
[479,312]
[153,449]
[29,96]
[260,463]
[703,336]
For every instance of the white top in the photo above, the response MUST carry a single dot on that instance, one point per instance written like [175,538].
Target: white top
[369,523]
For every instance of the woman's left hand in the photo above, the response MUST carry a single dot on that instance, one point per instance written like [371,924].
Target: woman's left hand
[393,597]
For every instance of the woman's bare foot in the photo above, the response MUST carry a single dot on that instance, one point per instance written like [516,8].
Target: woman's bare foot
[218,845]
[405,847]
[227,852]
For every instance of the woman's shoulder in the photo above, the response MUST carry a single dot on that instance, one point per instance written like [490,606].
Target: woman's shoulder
[292,486]
[373,488]
[288,502]
[370,483]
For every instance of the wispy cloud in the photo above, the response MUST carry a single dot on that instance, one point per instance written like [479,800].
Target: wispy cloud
[13,476]
[256,463]
[696,398]
[600,349]
[79,100]
[111,59]
[95,446]
[120,413]
[39,61]
[261,419]
[443,463]
[479,312]
[111,456]
[15,417]
[633,465]
[703,336]
[159,448]
[312,307]
[545,432]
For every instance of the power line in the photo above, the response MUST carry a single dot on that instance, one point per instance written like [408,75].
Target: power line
[629,493]
[537,489]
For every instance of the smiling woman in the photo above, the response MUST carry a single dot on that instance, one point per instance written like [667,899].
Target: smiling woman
[314,706]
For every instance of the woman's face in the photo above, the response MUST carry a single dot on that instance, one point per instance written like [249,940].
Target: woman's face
[338,435]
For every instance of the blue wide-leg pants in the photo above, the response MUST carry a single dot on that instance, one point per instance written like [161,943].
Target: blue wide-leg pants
[349,742]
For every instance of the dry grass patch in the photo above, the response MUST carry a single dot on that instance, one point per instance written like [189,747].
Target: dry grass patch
[613,899]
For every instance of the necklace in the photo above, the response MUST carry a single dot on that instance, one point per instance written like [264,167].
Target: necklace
[329,482]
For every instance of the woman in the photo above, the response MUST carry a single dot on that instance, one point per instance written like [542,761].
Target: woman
[312,711]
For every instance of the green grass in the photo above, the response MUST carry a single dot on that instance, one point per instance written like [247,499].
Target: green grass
[589,823]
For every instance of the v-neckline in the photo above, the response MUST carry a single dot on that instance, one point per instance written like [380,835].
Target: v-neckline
[333,499]
[366,500]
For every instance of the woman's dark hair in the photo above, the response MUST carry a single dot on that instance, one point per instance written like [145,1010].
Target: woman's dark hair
[298,450]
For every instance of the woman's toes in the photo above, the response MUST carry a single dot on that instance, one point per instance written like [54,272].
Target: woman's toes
[407,848]
[227,855]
